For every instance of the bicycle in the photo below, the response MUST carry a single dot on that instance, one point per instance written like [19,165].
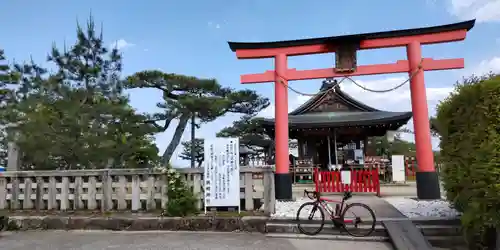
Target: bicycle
[338,216]
[3,222]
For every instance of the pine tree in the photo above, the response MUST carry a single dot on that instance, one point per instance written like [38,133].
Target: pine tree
[79,117]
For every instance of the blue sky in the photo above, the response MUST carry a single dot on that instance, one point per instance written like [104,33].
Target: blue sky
[190,37]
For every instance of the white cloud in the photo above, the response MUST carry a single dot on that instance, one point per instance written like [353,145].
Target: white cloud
[121,44]
[485,66]
[481,10]
[430,3]
[294,101]
[213,25]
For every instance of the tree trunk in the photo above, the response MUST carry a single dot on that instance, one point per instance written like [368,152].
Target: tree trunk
[176,139]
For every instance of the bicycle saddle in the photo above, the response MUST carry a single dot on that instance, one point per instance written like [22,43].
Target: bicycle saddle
[347,195]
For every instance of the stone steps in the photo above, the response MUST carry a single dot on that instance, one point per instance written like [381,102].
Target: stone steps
[440,233]
[327,237]
[328,229]
[427,230]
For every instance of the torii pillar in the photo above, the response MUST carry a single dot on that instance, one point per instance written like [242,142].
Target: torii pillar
[427,180]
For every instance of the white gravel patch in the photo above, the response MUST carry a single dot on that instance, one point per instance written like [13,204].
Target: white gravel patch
[412,208]
[288,209]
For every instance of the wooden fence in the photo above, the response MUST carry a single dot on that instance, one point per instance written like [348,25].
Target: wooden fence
[118,189]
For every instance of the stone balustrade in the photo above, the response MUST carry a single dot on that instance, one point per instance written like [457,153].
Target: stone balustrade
[119,189]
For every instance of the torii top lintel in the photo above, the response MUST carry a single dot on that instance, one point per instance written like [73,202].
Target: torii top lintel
[387,39]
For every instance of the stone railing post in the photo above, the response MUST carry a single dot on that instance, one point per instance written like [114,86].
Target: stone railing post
[91,193]
[39,204]
[122,192]
[248,180]
[3,193]
[150,193]
[14,198]
[269,191]
[107,190]
[197,188]
[64,197]
[13,157]
[78,194]
[52,192]
[164,191]
[136,193]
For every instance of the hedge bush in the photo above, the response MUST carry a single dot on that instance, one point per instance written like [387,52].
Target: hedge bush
[181,199]
[468,122]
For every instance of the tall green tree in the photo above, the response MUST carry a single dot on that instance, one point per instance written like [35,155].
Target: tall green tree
[78,116]
[249,131]
[197,154]
[382,147]
[186,96]
[5,92]
[5,78]
[468,122]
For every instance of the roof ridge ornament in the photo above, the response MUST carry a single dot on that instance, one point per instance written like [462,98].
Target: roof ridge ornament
[330,83]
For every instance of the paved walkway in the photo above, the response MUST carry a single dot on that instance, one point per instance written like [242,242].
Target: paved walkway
[100,240]
[381,207]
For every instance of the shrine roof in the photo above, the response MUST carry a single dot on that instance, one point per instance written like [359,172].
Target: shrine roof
[466,25]
[319,97]
[341,119]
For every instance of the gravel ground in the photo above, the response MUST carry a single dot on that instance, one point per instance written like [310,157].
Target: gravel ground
[412,208]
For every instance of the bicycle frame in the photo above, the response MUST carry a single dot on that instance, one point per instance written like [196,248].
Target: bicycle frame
[323,202]
[333,214]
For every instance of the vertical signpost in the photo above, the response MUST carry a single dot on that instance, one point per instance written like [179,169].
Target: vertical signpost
[222,173]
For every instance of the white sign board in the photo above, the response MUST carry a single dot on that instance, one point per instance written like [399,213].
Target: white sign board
[345,177]
[358,156]
[222,172]
[398,168]
[293,148]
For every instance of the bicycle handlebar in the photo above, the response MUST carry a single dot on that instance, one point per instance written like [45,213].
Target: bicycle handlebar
[311,194]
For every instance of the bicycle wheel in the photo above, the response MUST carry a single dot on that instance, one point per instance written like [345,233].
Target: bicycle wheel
[3,222]
[359,220]
[313,221]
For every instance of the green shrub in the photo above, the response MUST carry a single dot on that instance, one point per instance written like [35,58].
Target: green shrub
[468,122]
[181,200]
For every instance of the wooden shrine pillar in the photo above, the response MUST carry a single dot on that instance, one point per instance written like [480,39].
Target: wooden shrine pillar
[427,178]
[283,179]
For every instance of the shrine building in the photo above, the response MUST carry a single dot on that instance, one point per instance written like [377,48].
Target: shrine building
[332,128]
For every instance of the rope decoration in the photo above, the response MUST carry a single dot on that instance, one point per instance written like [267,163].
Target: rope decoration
[418,69]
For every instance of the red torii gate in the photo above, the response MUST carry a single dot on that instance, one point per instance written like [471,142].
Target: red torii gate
[345,48]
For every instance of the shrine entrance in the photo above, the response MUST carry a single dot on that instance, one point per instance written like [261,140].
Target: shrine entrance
[345,49]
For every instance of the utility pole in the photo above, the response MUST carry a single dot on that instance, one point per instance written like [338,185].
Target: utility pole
[193,139]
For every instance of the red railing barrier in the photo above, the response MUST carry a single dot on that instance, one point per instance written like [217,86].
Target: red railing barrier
[362,181]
